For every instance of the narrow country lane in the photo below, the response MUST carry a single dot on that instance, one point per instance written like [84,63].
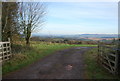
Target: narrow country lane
[65,64]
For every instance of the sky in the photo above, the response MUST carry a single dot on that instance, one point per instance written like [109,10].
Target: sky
[68,18]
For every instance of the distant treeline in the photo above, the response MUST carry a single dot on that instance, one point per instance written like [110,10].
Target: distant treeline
[71,41]
[62,40]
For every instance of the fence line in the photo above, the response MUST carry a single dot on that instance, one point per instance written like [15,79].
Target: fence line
[108,58]
[5,51]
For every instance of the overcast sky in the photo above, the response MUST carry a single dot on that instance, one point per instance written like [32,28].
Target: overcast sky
[81,18]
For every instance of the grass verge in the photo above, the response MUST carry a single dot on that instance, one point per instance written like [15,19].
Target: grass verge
[93,69]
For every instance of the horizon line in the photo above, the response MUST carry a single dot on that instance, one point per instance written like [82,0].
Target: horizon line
[74,34]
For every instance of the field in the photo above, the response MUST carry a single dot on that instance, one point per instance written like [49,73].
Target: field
[27,55]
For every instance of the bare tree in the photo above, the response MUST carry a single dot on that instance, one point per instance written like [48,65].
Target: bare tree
[31,17]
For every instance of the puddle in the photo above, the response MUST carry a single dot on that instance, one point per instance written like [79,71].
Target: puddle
[69,67]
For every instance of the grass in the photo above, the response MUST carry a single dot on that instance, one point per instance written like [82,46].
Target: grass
[93,69]
[27,55]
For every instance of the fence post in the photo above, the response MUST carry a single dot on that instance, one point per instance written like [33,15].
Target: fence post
[2,52]
[119,38]
[1,38]
[10,47]
[118,53]
[98,58]
[98,50]
[118,68]
[8,39]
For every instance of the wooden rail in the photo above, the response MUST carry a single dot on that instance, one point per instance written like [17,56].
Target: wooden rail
[108,58]
[5,51]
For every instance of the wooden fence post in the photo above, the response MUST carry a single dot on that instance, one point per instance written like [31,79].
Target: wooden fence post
[0,38]
[119,62]
[118,52]
[10,46]
[98,51]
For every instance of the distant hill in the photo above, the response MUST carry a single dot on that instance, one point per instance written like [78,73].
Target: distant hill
[89,36]
[82,36]
[99,35]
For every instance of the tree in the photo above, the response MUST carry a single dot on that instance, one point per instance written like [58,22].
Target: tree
[0,21]
[31,17]
[9,19]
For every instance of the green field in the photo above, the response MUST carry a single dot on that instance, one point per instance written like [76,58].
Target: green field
[27,55]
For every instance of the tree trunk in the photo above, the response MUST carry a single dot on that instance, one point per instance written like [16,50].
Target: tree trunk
[27,42]
[0,22]
[28,38]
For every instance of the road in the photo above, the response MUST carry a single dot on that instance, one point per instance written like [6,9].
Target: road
[64,64]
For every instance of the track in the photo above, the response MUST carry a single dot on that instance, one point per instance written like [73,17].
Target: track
[65,64]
